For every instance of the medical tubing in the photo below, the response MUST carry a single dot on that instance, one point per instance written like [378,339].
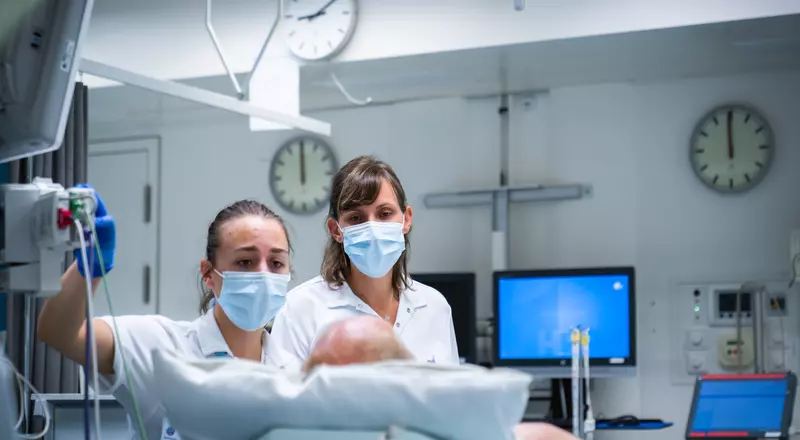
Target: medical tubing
[119,349]
[589,422]
[34,392]
[90,334]
[87,435]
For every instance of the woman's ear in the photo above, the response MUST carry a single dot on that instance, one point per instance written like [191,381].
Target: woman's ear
[334,231]
[206,269]
[407,218]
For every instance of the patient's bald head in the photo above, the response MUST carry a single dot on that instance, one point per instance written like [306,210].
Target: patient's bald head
[359,340]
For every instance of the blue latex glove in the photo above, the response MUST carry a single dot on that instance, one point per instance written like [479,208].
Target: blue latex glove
[106,238]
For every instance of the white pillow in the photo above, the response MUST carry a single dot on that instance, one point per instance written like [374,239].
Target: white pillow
[238,400]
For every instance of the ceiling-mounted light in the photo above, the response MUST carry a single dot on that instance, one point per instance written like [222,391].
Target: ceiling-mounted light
[519,5]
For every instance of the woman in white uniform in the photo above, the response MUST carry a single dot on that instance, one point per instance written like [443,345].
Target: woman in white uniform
[365,271]
[246,270]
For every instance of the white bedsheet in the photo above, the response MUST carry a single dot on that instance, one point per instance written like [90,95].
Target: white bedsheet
[239,400]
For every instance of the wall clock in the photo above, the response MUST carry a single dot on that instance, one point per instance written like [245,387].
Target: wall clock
[732,148]
[300,175]
[319,29]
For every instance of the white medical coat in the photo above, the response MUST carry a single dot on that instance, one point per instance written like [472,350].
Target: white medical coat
[138,336]
[424,321]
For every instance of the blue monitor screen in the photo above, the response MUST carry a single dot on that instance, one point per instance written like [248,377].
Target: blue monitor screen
[536,316]
[740,405]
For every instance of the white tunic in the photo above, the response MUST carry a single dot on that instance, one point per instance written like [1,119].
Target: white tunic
[424,321]
[137,338]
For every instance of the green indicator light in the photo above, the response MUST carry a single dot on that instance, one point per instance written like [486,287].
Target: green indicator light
[696,309]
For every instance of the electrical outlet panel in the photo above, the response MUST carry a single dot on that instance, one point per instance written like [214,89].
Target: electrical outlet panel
[776,305]
[703,319]
[736,355]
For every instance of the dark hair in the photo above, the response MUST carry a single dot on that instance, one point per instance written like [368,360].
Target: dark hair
[358,183]
[237,210]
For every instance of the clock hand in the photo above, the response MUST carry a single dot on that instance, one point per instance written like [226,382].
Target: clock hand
[302,164]
[730,134]
[322,11]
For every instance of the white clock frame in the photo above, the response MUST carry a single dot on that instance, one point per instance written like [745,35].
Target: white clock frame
[334,167]
[760,124]
[343,31]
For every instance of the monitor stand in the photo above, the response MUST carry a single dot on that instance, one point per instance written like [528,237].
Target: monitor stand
[560,411]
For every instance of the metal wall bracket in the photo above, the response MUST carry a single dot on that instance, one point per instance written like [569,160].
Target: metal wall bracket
[500,199]
[204,97]
[242,93]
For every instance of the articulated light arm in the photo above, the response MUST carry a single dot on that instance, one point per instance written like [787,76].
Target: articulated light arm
[205,97]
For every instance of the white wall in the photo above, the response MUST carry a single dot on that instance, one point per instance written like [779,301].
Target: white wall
[628,141]
[147,36]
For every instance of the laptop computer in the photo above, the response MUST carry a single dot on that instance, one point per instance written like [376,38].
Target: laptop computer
[742,406]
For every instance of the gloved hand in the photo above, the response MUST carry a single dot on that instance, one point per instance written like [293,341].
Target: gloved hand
[106,239]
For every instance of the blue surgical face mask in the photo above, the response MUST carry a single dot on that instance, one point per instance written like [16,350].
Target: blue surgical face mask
[374,247]
[252,299]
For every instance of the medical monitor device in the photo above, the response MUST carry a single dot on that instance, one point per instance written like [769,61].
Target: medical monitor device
[40,47]
[742,406]
[459,291]
[535,312]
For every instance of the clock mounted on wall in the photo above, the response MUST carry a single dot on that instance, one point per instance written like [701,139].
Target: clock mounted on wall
[319,29]
[732,148]
[300,175]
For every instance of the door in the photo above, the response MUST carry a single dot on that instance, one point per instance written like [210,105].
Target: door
[125,174]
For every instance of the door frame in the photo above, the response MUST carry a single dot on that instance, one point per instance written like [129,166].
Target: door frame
[106,146]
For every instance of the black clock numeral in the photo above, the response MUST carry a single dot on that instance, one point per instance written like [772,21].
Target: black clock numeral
[716,121]
[715,179]
[759,164]
[315,147]
[704,167]
[747,177]
[281,193]
[763,147]
[759,129]
[747,118]
[730,183]
[700,150]
[277,178]
[304,206]
[703,133]
[279,162]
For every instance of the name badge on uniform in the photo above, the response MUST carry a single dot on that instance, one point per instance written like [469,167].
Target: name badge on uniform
[168,432]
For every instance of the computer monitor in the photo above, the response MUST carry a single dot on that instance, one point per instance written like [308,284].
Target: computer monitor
[742,406]
[459,291]
[535,312]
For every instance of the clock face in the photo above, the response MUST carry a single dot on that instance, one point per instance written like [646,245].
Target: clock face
[319,29]
[732,148]
[300,175]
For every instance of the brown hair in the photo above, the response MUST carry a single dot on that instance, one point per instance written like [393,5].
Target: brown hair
[237,210]
[358,183]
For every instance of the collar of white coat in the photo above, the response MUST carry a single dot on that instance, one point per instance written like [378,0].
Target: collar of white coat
[344,297]
[212,342]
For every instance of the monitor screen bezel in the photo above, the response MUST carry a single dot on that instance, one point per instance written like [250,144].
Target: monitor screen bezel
[628,271]
[470,278]
[788,406]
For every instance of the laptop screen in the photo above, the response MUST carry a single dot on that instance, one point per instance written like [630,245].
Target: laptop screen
[741,406]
